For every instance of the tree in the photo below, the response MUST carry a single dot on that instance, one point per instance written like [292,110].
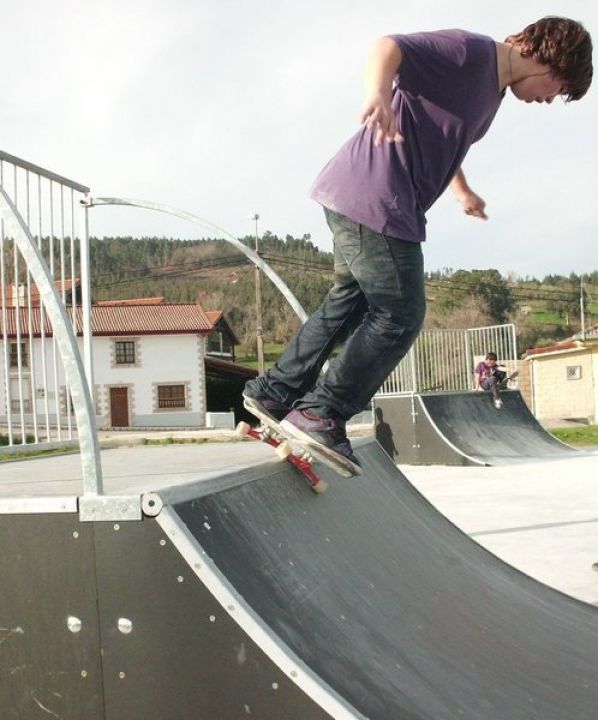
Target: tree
[487,287]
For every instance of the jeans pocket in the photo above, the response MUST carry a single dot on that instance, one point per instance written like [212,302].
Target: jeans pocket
[347,235]
[351,248]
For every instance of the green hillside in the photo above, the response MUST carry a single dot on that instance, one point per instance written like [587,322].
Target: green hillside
[222,278]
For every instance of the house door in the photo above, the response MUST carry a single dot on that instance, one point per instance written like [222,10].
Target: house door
[119,407]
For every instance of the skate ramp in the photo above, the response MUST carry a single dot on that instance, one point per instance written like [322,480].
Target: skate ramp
[463,428]
[389,609]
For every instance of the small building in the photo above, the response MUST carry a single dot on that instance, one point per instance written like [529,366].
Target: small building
[564,379]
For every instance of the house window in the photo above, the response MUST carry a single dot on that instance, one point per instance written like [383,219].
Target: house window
[219,344]
[171,396]
[20,388]
[124,352]
[15,405]
[215,343]
[14,355]
[573,372]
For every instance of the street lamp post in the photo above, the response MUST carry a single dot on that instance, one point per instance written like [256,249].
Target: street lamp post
[582,310]
[258,304]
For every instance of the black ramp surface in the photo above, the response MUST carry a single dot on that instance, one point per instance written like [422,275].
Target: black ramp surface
[470,422]
[393,606]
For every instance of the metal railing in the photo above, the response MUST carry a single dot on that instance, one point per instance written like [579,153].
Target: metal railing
[45,304]
[444,360]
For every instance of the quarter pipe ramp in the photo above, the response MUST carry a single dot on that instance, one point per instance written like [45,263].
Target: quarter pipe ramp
[462,428]
[249,596]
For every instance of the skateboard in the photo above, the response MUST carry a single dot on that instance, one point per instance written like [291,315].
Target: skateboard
[302,449]
[284,451]
[504,383]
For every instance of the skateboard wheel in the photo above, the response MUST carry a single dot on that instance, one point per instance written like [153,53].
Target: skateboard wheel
[242,429]
[320,487]
[305,455]
[284,450]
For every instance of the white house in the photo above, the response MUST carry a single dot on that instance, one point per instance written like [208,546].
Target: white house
[149,359]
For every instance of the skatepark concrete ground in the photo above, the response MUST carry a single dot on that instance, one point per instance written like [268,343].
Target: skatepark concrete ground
[541,517]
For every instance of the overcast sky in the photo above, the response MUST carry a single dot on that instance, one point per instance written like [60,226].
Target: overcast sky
[224,107]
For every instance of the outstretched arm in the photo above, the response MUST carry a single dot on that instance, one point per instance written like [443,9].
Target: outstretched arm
[472,204]
[383,64]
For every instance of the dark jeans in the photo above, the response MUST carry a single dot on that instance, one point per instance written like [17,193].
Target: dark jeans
[377,305]
[492,383]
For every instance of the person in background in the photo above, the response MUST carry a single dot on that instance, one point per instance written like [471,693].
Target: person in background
[489,376]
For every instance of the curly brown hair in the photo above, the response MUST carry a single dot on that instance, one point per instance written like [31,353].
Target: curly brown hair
[564,45]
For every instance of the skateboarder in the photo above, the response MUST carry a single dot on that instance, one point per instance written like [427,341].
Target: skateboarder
[429,97]
[488,376]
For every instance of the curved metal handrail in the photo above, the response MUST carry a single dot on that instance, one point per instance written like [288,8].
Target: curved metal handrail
[67,344]
[251,254]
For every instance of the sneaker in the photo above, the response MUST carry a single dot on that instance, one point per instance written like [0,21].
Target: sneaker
[498,403]
[319,431]
[266,406]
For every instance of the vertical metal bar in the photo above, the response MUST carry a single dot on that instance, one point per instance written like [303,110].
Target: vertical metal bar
[436,352]
[496,332]
[18,326]
[454,361]
[73,266]
[73,275]
[67,400]
[411,356]
[57,398]
[86,301]
[18,318]
[42,315]
[468,358]
[463,375]
[6,347]
[31,335]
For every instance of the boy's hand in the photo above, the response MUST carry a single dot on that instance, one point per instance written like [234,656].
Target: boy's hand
[473,205]
[378,115]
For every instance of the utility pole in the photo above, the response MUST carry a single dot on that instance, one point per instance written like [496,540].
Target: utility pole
[258,304]
[582,308]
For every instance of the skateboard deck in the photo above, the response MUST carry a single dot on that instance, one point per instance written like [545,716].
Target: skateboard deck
[302,449]
[284,452]
[504,383]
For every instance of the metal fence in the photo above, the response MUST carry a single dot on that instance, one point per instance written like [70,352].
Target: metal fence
[45,304]
[444,360]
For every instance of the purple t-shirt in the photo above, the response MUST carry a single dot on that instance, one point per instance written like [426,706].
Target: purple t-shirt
[445,98]
[485,371]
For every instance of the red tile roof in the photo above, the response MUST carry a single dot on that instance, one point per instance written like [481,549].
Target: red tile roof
[124,319]
[557,347]
[214,315]
[135,301]
[570,343]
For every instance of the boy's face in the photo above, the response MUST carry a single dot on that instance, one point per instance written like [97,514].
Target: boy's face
[490,363]
[542,88]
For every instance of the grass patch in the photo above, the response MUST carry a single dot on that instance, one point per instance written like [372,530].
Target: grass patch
[25,455]
[272,351]
[586,435]
[173,441]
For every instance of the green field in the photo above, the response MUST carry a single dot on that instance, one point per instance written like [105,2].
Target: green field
[272,351]
[587,435]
